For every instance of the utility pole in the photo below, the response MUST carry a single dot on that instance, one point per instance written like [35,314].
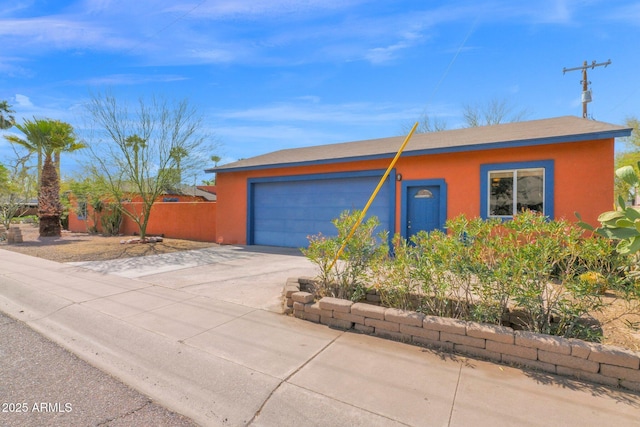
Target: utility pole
[586,93]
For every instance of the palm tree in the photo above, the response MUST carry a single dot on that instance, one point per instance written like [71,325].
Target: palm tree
[9,120]
[33,131]
[176,154]
[60,137]
[48,138]
[215,159]
[135,142]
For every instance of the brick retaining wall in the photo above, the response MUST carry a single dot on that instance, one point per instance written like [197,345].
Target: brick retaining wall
[593,362]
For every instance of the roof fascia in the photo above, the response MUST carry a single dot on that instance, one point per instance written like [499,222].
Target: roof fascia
[441,150]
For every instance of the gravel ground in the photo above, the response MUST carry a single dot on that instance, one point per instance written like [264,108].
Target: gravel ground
[75,247]
[45,385]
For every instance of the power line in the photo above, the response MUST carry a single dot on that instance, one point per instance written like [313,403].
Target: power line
[453,60]
[446,71]
[170,24]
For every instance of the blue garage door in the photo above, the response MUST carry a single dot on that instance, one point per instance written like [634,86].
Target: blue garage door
[286,211]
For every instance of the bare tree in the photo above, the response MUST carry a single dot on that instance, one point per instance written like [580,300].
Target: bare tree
[140,153]
[494,112]
[426,124]
[18,188]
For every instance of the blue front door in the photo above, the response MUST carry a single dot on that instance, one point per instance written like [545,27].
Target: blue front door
[423,209]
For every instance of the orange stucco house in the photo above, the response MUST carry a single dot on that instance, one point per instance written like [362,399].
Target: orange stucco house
[555,166]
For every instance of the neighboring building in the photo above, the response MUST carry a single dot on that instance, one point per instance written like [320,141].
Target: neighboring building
[556,166]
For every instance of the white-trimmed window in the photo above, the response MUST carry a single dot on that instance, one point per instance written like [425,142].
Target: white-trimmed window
[515,190]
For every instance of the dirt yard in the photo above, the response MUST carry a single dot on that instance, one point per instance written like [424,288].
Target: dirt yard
[72,247]
[619,320]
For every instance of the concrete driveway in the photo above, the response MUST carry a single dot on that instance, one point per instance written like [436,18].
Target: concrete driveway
[250,276]
[201,333]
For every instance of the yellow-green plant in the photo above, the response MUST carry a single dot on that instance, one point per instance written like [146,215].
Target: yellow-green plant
[478,270]
[594,282]
[392,278]
[348,277]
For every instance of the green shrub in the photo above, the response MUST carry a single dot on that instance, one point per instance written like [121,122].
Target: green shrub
[392,277]
[111,219]
[478,265]
[26,219]
[545,271]
[347,277]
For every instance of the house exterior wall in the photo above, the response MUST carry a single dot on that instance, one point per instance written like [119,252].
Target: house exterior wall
[583,179]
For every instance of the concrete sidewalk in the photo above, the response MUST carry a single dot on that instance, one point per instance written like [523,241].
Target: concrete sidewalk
[45,385]
[201,334]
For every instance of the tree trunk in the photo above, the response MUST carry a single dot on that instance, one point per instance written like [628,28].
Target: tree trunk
[56,162]
[49,206]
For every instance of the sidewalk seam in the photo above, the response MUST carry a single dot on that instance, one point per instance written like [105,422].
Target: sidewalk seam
[455,394]
[291,375]
[182,341]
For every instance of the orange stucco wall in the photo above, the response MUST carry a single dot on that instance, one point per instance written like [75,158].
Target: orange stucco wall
[178,220]
[583,176]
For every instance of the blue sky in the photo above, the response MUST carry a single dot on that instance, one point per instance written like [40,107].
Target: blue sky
[278,74]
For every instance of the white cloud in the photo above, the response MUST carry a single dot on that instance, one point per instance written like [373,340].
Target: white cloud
[381,55]
[349,113]
[561,12]
[306,121]
[335,122]
[8,9]
[223,9]
[58,33]
[100,6]
[10,66]
[557,12]
[212,55]
[28,107]
[251,31]
[23,101]
[261,139]
[310,98]
[129,79]
[629,13]
[225,31]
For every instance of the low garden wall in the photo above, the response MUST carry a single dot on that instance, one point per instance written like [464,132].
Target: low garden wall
[557,355]
[177,220]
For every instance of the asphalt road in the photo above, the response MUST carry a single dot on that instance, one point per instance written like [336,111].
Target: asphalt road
[42,384]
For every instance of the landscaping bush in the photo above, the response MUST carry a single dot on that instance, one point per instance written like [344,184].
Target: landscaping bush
[347,277]
[543,251]
[393,277]
[111,219]
[26,219]
[530,273]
